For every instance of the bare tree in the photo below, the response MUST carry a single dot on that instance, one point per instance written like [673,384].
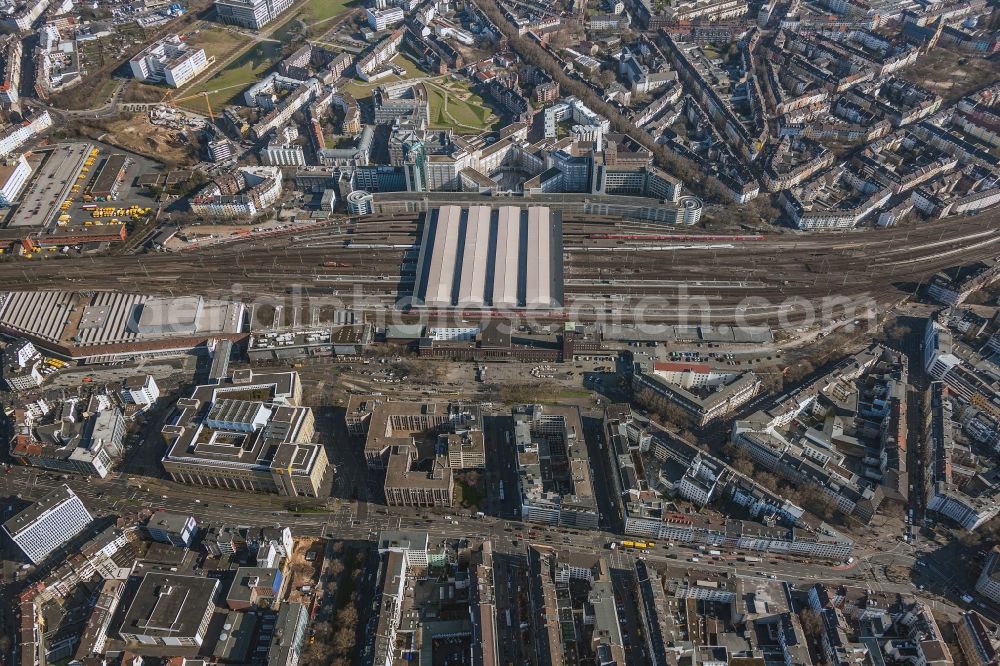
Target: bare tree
[317,653]
[347,616]
[897,332]
[812,624]
[336,568]
[770,377]
[675,415]
[803,368]
[343,640]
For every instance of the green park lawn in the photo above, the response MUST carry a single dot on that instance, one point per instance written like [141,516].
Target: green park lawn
[232,80]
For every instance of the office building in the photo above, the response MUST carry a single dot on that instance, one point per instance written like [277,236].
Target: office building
[414,544]
[221,150]
[553,469]
[406,485]
[246,433]
[359,202]
[15,135]
[21,363]
[390,423]
[403,100]
[390,608]
[977,640]
[939,358]
[253,14]
[79,436]
[177,529]
[21,16]
[381,19]
[169,60]
[254,587]
[244,193]
[48,524]
[170,610]
[282,154]
[465,451]
[140,390]
[288,636]
[701,391]
[988,583]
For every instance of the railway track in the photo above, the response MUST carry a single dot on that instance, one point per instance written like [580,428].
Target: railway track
[882,265]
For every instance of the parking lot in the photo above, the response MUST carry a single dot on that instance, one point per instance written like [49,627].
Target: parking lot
[129,193]
[60,196]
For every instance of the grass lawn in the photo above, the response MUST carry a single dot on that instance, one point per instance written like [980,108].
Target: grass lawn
[467,496]
[216,41]
[467,116]
[463,115]
[236,77]
[321,10]
[711,51]
[106,89]
[574,393]
[362,89]
[951,74]
[87,95]
[298,508]
[310,13]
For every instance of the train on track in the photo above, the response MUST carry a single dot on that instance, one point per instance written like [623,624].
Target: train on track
[676,237]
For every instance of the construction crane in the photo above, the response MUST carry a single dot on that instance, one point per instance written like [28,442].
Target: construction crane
[169,100]
[208,105]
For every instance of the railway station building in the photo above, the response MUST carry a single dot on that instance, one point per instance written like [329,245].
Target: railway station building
[479,256]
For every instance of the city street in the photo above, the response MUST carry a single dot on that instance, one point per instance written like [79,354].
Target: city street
[360,520]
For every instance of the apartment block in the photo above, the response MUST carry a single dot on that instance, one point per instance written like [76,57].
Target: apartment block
[48,524]
[553,468]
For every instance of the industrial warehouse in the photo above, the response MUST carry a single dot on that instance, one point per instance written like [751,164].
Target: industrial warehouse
[480,256]
[107,326]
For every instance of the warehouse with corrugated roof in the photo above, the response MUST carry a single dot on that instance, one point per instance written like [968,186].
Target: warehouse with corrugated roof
[484,257]
[106,325]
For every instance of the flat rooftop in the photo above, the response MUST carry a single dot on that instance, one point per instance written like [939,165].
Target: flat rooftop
[169,605]
[104,322]
[397,422]
[260,429]
[50,185]
[50,501]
